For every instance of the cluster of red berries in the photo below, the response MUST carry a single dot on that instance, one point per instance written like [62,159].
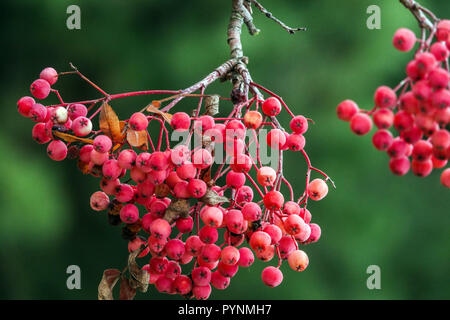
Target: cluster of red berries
[158,197]
[418,108]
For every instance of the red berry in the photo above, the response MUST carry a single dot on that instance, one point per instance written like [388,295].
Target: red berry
[266,176]
[382,139]
[99,201]
[208,234]
[175,249]
[399,166]
[182,285]
[230,255]
[422,150]
[24,105]
[425,62]
[298,260]
[445,178]
[276,139]
[81,126]
[39,133]
[273,200]
[251,211]
[271,106]
[194,245]
[253,119]
[383,118]
[218,281]
[361,124]
[40,89]
[296,142]
[272,276]
[299,124]
[129,213]
[202,159]
[50,75]
[443,30]
[185,225]
[346,110]
[438,78]
[180,121]
[404,39]
[439,51]
[138,121]
[246,257]
[57,150]
[317,189]
[385,97]
[235,180]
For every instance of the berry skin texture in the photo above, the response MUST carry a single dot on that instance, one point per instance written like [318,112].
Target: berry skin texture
[399,166]
[57,150]
[422,168]
[382,140]
[182,285]
[197,188]
[246,257]
[383,118]
[317,189]
[40,89]
[291,207]
[218,281]
[266,176]
[201,276]
[38,113]
[201,292]
[361,124]
[404,39]
[129,213]
[273,200]
[443,30]
[50,75]
[276,139]
[272,276]
[299,124]
[102,144]
[439,51]
[160,229]
[230,255]
[235,180]
[251,211]
[445,178]
[138,121]
[111,169]
[39,133]
[212,216]
[271,106]
[202,159]
[296,142]
[24,105]
[127,159]
[346,110]
[252,119]
[298,260]
[77,110]
[315,233]
[99,201]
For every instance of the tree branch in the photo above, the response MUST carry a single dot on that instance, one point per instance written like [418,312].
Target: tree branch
[419,13]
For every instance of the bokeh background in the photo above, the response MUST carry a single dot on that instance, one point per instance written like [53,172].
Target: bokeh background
[372,218]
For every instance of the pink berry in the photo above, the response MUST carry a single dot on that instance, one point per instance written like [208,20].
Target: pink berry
[186,171]
[38,113]
[204,123]
[39,133]
[382,139]
[440,99]
[422,150]
[194,245]
[124,192]
[164,284]
[235,180]
[276,139]
[127,159]
[425,62]
[293,224]
[24,105]
[272,276]
[98,158]
[439,51]
[227,270]
[208,234]
[234,221]
[412,135]
[111,169]
[383,118]
[266,176]
[235,129]
[181,190]
[274,232]
[317,189]
[40,89]
[286,245]
[246,257]
[361,124]
[445,178]
[180,121]
[399,166]
[185,225]
[218,281]
[102,144]
[438,78]
[296,142]
[299,124]
[210,253]
[99,201]
[305,215]
[241,163]
[182,285]
[50,75]
[385,97]
[273,200]
[197,188]
[315,233]
[160,229]
[57,150]
[443,30]
[81,126]
[244,195]
[201,292]
[129,213]
[251,211]
[202,159]
[201,276]
[346,110]
[271,106]
[173,270]
[138,121]
[291,207]
[136,244]
[298,260]
[259,240]
[422,168]
[180,155]
[404,39]
[441,139]
[175,249]
[77,110]
[211,216]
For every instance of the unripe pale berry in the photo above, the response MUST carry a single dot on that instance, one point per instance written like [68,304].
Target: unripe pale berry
[99,201]
[81,126]
[50,75]
[272,276]
[40,89]
[271,106]
[253,119]
[317,189]
[266,176]
[298,260]
[57,150]
[361,124]
[404,39]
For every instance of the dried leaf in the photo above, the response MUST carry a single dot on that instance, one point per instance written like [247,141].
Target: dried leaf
[177,208]
[109,123]
[140,277]
[83,166]
[166,116]
[138,139]
[109,280]
[156,104]
[212,198]
[70,138]
[126,291]
[205,175]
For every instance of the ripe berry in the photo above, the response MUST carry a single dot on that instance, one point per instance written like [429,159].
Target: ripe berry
[317,189]
[201,292]
[204,123]
[274,232]
[180,121]
[39,133]
[210,253]
[81,126]
[40,89]
[197,188]
[202,159]
[244,195]
[346,110]
[404,39]
[296,142]
[425,62]
[385,97]
[201,276]
[438,78]
[293,224]
[230,255]
[291,207]
[440,99]
[383,118]
[271,106]
[173,270]
[298,260]
[98,158]
[38,113]
[50,75]
[305,215]
[253,119]
[24,105]
[286,245]
[111,169]
[412,135]
[272,276]
[439,51]
[361,124]
[211,216]
[276,139]
[440,139]
[259,241]
[400,165]
[138,121]
[445,178]
[315,233]
[266,176]
[422,150]
[174,249]
[57,150]
[218,281]
[77,110]
[234,221]
[99,201]
[422,168]
[227,270]
[181,190]
[241,163]
[403,120]
[235,129]
[194,245]
[127,159]
[443,30]
[164,284]
[182,285]
[160,229]
[246,257]
[158,265]
[273,200]
[299,124]
[102,144]
[382,139]
[129,213]
[235,180]
[251,211]
[208,234]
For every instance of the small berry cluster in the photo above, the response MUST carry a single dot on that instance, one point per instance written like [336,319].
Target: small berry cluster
[418,108]
[159,195]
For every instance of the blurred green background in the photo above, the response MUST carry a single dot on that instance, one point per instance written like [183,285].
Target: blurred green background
[372,218]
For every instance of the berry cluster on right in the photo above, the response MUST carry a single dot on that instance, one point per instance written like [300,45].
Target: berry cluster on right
[412,119]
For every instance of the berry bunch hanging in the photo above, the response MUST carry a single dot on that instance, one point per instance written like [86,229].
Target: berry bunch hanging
[174,202]
[412,119]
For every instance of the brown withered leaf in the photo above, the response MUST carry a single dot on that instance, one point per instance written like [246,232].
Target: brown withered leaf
[166,116]
[138,139]
[109,123]
[177,208]
[156,104]
[205,175]
[83,166]
[106,286]
[162,190]
[126,291]
[212,198]
[70,138]
[139,278]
